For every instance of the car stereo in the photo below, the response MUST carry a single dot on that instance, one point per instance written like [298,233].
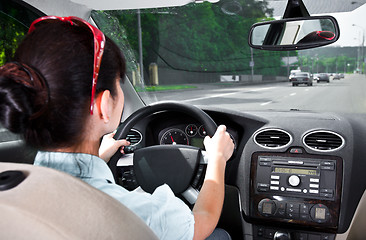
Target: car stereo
[296,188]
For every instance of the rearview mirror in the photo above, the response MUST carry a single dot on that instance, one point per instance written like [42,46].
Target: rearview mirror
[294,33]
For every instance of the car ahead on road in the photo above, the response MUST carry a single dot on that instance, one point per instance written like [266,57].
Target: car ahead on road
[341,75]
[301,78]
[337,76]
[322,77]
[293,73]
[298,170]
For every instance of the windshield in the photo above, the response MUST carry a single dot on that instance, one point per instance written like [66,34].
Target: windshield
[199,54]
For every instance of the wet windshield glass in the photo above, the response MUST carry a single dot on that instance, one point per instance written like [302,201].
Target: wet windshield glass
[199,54]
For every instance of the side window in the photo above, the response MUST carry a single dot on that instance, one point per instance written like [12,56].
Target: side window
[12,32]
[15,19]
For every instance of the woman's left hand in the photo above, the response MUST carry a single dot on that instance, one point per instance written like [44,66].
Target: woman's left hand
[110,146]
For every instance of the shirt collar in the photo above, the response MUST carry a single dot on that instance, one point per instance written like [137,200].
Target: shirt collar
[80,165]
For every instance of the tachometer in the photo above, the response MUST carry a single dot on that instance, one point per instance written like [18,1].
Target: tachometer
[174,136]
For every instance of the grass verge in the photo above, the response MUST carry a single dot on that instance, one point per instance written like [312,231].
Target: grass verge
[163,88]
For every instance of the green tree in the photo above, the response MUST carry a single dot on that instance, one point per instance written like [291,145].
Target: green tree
[11,33]
[328,64]
[201,37]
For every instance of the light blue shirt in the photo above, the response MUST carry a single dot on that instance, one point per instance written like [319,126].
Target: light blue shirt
[164,213]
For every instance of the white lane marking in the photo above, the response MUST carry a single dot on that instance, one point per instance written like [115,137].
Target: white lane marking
[266,103]
[213,96]
[227,94]
[260,89]
[292,94]
[307,89]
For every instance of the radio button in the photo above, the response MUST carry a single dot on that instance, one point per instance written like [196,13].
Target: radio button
[326,195]
[305,190]
[275,183]
[265,163]
[327,163]
[325,190]
[327,166]
[314,180]
[275,177]
[262,187]
[293,190]
[314,185]
[274,188]
[313,191]
[330,168]
[294,180]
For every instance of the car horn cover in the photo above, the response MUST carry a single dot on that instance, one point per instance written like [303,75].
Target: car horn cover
[174,165]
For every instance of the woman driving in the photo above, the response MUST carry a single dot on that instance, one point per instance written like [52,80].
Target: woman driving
[63,94]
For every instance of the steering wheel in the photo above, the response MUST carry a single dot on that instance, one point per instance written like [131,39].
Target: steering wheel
[175,165]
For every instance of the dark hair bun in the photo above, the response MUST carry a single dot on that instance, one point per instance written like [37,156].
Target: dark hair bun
[24,95]
[15,104]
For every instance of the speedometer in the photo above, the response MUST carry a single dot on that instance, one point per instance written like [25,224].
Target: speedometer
[174,136]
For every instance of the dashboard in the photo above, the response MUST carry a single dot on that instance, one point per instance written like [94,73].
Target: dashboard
[295,174]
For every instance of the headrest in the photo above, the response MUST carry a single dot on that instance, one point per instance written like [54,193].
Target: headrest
[48,204]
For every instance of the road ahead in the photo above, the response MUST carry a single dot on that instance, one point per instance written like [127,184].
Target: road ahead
[345,95]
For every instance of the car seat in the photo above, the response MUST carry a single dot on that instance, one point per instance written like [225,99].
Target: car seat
[42,203]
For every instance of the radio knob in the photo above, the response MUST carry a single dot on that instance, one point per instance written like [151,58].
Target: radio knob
[294,180]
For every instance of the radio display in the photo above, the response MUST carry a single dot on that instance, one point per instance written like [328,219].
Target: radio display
[295,171]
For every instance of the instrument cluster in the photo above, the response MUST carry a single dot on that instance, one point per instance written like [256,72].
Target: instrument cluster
[191,134]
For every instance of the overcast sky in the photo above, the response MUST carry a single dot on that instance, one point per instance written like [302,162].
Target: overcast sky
[351,35]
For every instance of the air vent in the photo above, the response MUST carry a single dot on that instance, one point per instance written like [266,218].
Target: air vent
[323,141]
[272,138]
[134,137]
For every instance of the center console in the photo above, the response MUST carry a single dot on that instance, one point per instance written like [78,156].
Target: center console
[295,190]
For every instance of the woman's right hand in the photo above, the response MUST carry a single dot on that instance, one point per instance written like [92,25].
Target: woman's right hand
[220,146]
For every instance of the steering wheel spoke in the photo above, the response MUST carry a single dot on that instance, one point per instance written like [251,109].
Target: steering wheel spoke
[204,158]
[191,195]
